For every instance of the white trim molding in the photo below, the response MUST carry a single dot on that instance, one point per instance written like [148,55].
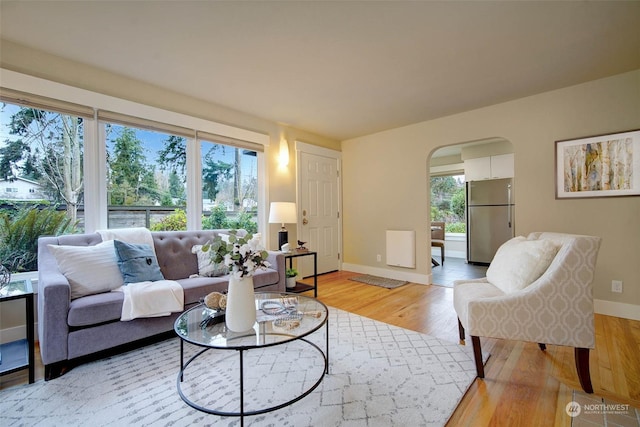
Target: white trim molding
[617,309]
[38,86]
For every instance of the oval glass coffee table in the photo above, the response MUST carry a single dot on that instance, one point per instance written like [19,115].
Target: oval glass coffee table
[283,319]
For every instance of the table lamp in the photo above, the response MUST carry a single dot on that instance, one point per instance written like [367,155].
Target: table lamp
[283,212]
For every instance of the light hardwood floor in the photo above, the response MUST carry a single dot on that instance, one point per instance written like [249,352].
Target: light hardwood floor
[522,385]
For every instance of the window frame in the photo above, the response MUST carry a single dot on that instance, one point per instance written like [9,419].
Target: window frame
[95,164]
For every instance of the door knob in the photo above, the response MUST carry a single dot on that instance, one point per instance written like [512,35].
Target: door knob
[304,221]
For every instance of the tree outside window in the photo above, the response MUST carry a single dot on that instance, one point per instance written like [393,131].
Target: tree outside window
[44,147]
[448,202]
[229,187]
[44,150]
[131,164]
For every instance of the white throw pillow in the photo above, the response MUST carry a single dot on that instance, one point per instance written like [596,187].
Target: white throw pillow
[89,269]
[206,267]
[519,262]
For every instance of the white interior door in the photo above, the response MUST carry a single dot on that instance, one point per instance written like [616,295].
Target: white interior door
[319,208]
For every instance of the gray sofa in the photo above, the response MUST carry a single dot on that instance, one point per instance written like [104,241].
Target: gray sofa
[71,329]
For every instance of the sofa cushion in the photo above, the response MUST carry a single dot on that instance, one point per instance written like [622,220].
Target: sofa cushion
[519,262]
[196,288]
[172,245]
[95,309]
[264,277]
[137,262]
[89,269]
[206,267]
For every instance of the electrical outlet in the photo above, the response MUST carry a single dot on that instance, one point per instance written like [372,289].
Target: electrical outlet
[379,257]
[616,286]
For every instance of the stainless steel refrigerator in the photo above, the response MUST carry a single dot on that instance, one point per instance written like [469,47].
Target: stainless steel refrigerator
[490,218]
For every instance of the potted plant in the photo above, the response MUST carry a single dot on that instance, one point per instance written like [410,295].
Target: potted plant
[291,274]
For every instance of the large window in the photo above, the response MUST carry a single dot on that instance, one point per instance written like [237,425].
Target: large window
[145,178]
[41,152]
[41,172]
[163,177]
[114,163]
[105,162]
[229,186]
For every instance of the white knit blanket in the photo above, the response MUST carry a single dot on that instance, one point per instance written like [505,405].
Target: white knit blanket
[151,299]
[145,299]
[135,235]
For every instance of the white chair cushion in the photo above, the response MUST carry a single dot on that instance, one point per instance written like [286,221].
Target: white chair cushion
[466,292]
[519,262]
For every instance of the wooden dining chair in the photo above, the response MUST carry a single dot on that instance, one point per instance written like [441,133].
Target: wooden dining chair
[437,237]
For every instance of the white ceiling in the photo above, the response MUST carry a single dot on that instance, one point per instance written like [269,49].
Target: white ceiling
[340,69]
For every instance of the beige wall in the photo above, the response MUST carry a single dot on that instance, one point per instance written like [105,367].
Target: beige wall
[385,177]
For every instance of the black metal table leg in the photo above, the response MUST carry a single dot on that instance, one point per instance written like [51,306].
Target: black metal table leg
[30,337]
[181,360]
[327,371]
[241,389]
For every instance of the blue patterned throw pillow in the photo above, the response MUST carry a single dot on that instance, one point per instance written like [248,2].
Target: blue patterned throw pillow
[137,263]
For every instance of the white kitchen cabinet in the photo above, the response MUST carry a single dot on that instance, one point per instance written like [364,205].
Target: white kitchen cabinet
[502,166]
[492,167]
[477,169]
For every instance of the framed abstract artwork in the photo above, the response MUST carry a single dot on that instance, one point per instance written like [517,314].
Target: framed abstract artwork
[598,166]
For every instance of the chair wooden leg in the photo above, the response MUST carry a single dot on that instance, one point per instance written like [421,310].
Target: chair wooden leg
[442,254]
[582,366]
[461,330]
[542,346]
[477,355]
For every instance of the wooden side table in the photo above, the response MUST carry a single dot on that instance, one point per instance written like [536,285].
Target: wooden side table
[303,287]
[18,355]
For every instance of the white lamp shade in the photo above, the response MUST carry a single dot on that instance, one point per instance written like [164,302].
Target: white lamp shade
[283,213]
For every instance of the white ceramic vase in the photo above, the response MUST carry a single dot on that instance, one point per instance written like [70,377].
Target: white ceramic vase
[240,314]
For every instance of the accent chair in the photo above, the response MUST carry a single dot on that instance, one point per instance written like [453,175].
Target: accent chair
[538,289]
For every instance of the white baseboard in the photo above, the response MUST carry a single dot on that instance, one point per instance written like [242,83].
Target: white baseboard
[16,333]
[617,309]
[422,279]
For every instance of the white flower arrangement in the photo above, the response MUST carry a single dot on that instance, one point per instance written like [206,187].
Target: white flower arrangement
[242,255]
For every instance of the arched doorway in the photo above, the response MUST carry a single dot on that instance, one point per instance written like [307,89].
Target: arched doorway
[451,171]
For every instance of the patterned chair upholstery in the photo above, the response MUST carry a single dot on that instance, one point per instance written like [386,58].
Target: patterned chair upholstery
[556,309]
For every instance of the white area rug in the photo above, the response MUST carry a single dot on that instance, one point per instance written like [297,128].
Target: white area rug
[380,375]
